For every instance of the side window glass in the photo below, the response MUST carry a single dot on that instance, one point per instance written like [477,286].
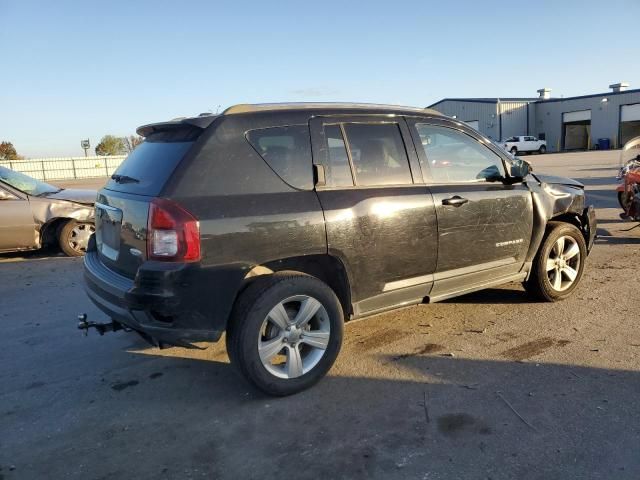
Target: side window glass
[453,156]
[378,154]
[6,195]
[287,150]
[338,169]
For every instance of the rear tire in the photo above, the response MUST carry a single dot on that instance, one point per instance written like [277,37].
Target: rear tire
[285,332]
[73,237]
[542,149]
[559,264]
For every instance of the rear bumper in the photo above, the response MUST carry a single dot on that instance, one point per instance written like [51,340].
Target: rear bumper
[150,305]
[589,226]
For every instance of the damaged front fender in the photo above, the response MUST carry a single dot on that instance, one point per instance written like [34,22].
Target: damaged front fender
[558,198]
[49,214]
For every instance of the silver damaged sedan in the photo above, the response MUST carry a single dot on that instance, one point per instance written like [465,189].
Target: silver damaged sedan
[34,214]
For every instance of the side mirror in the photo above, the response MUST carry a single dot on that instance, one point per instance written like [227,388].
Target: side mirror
[520,168]
[4,195]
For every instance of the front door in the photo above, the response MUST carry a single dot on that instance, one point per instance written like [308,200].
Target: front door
[484,224]
[380,217]
[17,227]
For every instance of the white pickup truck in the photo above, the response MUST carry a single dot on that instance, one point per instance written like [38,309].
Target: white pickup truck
[524,143]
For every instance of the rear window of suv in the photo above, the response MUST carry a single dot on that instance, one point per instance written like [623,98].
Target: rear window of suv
[146,170]
[287,150]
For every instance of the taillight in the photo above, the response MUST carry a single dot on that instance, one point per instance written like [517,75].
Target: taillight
[173,234]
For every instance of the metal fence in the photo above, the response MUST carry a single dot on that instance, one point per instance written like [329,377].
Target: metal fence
[65,168]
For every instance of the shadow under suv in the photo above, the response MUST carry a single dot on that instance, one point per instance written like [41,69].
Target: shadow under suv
[276,223]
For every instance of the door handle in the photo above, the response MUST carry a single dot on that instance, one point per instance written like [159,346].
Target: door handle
[454,201]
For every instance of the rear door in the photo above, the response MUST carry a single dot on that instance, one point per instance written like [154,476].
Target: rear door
[380,218]
[17,227]
[484,225]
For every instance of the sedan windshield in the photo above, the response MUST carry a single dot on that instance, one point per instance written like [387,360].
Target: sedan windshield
[25,183]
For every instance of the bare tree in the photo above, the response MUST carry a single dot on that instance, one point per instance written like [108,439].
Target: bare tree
[131,142]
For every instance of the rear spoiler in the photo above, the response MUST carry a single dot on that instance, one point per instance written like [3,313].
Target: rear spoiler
[199,122]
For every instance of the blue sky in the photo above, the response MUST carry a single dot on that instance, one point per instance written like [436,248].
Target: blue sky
[74,70]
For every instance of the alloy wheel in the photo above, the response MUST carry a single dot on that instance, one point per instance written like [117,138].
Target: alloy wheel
[563,263]
[294,336]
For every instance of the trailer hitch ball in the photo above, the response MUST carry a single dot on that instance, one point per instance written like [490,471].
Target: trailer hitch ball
[102,328]
[83,324]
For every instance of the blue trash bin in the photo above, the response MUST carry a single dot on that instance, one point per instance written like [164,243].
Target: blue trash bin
[604,144]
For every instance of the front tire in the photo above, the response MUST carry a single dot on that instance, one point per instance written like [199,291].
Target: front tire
[285,332]
[559,263]
[73,237]
[624,201]
[542,149]
[514,151]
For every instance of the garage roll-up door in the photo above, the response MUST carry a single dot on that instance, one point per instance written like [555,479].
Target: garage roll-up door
[580,116]
[473,124]
[576,130]
[630,113]
[629,122]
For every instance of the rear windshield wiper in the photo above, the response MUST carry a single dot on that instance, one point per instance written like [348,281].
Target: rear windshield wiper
[124,178]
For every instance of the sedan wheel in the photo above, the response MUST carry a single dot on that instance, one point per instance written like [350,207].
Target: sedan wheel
[74,237]
[79,238]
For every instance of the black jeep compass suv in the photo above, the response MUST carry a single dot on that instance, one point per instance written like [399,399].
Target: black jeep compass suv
[276,223]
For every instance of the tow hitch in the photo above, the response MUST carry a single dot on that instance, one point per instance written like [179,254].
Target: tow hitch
[102,328]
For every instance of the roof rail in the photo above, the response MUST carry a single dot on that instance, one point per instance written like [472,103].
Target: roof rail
[266,107]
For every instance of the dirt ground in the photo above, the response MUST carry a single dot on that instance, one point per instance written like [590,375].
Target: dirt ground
[487,386]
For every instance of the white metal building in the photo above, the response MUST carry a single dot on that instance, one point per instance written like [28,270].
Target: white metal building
[573,123]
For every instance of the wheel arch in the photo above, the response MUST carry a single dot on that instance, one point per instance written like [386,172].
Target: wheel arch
[574,219]
[50,229]
[568,217]
[326,268]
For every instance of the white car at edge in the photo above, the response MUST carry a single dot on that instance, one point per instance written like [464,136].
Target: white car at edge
[524,144]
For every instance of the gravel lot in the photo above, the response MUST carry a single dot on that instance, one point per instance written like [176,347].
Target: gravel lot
[490,385]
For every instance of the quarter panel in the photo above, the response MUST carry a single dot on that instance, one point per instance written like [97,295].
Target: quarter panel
[239,232]
[250,230]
